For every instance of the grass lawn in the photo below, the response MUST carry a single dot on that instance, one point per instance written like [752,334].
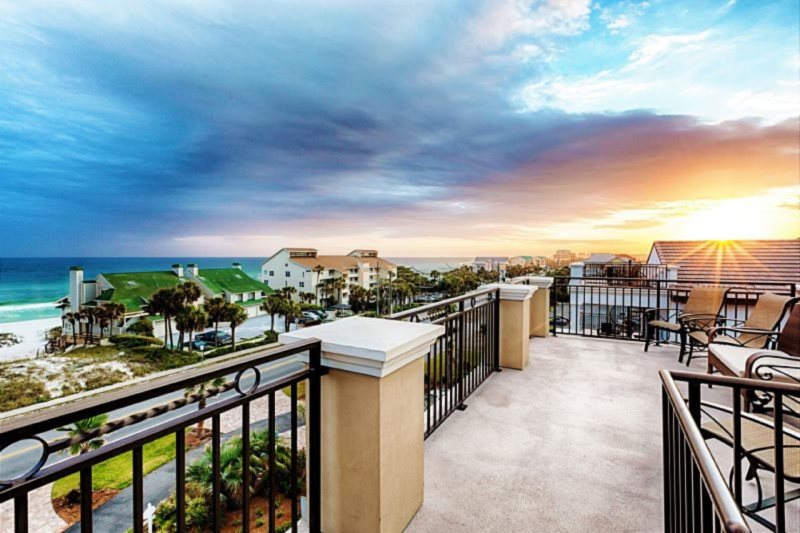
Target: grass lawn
[116,473]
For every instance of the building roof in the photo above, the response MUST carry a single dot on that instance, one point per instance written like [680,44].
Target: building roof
[745,261]
[609,257]
[230,280]
[340,262]
[132,289]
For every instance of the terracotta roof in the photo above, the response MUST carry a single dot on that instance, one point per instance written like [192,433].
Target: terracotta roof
[741,261]
[340,262]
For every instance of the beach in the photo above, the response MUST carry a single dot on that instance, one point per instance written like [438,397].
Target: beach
[32,334]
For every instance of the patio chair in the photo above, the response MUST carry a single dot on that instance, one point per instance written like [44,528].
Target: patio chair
[758,331]
[701,311]
[758,448]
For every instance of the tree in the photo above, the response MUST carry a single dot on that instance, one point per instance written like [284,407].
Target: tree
[143,326]
[307,297]
[159,305]
[202,388]
[197,321]
[215,309]
[235,316]
[72,318]
[360,298]
[288,292]
[90,313]
[82,426]
[291,310]
[101,314]
[435,275]
[182,320]
[318,270]
[113,311]
[273,305]
[189,292]
[335,286]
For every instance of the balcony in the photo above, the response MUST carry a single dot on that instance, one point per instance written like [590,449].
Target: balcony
[509,428]
[572,443]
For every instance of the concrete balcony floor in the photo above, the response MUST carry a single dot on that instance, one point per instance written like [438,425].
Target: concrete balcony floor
[572,443]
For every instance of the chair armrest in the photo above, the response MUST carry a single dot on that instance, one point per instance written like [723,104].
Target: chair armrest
[759,332]
[735,320]
[651,312]
[774,363]
[691,322]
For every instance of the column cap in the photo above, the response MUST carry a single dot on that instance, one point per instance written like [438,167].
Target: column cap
[371,346]
[512,291]
[541,282]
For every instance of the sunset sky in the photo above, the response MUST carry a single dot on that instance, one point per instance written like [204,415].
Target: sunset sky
[420,128]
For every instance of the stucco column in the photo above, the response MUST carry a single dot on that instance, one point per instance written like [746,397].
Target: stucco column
[372,427]
[515,318]
[540,305]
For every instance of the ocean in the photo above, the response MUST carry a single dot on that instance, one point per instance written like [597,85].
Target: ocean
[30,285]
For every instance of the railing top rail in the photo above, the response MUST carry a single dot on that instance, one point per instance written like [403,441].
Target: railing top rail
[435,305]
[725,504]
[51,417]
[744,283]
[744,383]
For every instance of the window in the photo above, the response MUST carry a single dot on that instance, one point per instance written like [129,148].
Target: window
[271,272]
[302,284]
[288,273]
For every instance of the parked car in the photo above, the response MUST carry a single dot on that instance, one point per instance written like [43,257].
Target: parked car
[561,321]
[219,339]
[197,344]
[309,318]
[320,313]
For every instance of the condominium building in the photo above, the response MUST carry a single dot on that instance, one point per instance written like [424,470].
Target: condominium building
[308,271]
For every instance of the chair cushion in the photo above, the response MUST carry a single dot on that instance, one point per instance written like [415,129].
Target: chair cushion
[702,338]
[663,324]
[735,359]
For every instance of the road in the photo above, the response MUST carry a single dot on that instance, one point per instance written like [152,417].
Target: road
[19,458]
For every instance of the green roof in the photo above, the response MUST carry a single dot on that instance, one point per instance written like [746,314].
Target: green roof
[251,303]
[233,280]
[133,289]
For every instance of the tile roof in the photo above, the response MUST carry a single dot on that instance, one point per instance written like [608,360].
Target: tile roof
[340,262]
[740,261]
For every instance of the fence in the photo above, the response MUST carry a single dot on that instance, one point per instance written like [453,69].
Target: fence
[210,392]
[460,360]
[696,494]
[595,308]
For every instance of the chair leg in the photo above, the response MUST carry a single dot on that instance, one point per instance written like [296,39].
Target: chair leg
[683,346]
[648,333]
[691,352]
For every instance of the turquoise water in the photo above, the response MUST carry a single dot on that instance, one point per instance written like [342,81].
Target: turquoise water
[29,286]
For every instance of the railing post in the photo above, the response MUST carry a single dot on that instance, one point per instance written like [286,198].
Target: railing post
[371,452]
[496,317]
[460,356]
[540,305]
[314,463]
[514,324]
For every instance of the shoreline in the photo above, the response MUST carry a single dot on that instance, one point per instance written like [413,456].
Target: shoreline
[31,332]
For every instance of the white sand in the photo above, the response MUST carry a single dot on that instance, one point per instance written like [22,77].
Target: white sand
[32,333]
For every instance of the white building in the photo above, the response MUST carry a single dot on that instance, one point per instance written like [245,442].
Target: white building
[307,271]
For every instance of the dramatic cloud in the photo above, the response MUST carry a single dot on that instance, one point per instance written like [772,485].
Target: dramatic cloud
[414,127]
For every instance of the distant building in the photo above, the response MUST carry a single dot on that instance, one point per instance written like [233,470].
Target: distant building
[489,263]
[306,270]
[521,260]
[134,289]
[563,257]
[745,261]
[610,258]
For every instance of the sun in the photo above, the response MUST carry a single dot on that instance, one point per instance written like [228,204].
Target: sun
[732,219]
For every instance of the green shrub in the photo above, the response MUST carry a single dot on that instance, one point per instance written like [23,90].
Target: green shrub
[310,307]
[101,377]
[142,327]
[20,391]
[126,340]
[270,336]
[158,358]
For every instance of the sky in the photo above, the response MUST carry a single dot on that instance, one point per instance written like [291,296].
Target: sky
[418,128]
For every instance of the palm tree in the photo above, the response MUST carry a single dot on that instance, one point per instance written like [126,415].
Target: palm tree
[101,314]
[307,297]
[90,313]
[288,292]
[72,318]
[235,316]
[82,426]
[113,311]
[215,309]
[435,275]
[273,305]
[336,286]
[157,305]
[190,292]
[291,310]
[318,270]
[182,320]
[197,321]
[201,388]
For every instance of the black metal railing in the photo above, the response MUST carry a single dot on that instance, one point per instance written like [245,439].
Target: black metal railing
[697,496]
[226,388]
[579,306]
[623,273]
[460,360]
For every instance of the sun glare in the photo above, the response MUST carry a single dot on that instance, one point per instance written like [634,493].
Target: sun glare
[747,218]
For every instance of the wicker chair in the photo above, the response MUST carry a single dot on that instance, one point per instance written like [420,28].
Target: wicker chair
[758,331]
[701,312]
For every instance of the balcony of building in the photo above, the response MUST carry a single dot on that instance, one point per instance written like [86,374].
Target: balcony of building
[476,413]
